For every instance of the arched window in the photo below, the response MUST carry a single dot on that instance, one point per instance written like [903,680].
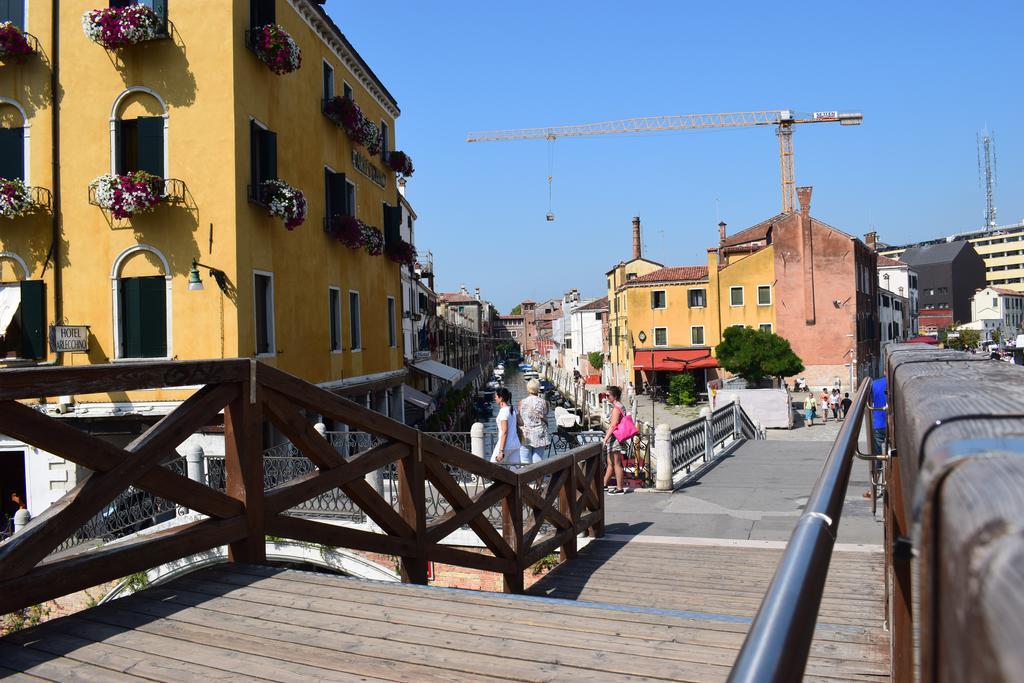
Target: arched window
[138,133]
[14,12]
[141,291]
[14,136]
[22,310]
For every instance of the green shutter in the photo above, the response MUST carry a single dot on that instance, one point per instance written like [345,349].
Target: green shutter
[336,190]
[33,319]
[150,145]
[153,316]
[12,152]
[144,317]
[392,224]
[268,155]
[254,154]
[14,12]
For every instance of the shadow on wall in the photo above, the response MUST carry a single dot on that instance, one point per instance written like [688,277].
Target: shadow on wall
[174,79]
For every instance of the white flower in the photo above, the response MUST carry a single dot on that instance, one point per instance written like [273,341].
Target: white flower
[15,198]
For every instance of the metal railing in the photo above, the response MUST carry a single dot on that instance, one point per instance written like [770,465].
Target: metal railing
[688,444]
[697,440]
[779,640]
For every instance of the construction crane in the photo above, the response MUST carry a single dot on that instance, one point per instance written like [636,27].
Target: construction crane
[782,119]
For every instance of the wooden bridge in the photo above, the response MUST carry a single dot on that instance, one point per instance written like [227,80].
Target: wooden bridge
[617,608]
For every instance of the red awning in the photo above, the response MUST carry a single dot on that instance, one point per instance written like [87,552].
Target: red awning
[674,361]
[923,339]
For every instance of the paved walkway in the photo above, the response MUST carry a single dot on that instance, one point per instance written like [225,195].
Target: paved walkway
[755,493]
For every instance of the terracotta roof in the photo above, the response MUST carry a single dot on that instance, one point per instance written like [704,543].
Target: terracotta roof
[1004,290]
[510,317]
[457,298]
[756,232]
[886,262]
[672,274]
[596,305]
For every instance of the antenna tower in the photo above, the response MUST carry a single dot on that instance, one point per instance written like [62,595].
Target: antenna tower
[987,174]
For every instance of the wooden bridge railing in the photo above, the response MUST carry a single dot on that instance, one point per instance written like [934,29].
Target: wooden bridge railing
[563,493]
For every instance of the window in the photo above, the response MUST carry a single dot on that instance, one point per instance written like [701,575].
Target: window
[392,334]
[736,296]
[658,299]
[263,300]
[597,316]
[23,319]
[765,327]
[697,335]
[995,301]
[339,194]
[354,326]
[346,90]
[14,12]
[261,13]
[764,295]
[698,298]
[143,316]
[661,336]
[262,156]
[384,149]
[139,145]
[159,7]
[334,312]
[328,81]
[12,151]
[630,276]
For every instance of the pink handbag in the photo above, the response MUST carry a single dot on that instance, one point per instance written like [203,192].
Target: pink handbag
[626,429]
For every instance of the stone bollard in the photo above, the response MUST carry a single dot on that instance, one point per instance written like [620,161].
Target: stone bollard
[663,457]
[194,462]
[21,519]
[320,428]
[476,440]
[709,434]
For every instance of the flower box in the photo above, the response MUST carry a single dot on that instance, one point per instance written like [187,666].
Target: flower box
[126,195]
[15,198]
[347,115]
[400,163]
[348,230]
[117,27]
[284,201]
[401,252]
[371,137]
[13,42]
[373,240]
[275,48]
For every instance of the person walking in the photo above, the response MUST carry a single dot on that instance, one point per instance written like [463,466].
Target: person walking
[879,423]
[534,413]
[809,410]
[845,405]
[833,401]
[507,447]
[613,444]
[823,404]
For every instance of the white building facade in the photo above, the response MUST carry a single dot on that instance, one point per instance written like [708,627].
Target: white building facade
[899,279]
[587,333]
[997,308]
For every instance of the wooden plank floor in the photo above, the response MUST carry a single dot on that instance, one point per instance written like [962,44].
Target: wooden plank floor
[723,587]
[635,611]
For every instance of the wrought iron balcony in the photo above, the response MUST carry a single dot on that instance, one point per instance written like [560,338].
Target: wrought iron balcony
[171,190]
[42,199]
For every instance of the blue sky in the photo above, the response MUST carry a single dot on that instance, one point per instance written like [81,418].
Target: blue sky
[927,76]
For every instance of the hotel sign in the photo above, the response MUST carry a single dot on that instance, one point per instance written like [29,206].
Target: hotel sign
[69,338]
[364,166]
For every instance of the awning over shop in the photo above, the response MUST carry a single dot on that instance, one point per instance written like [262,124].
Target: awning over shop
[440,370]
[417,398]
[677,360]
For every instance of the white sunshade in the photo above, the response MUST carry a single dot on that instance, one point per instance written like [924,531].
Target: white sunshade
[445,372]
[417,397]
[10,300]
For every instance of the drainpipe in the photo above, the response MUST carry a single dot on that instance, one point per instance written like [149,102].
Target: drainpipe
[58,308]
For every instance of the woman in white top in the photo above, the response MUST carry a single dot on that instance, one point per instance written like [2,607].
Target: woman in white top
[534,412]
[506,448]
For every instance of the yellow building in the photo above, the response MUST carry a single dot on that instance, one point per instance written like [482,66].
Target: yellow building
[196,105]
[676,315]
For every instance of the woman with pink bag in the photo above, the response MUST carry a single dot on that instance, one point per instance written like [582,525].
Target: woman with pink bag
[621,429]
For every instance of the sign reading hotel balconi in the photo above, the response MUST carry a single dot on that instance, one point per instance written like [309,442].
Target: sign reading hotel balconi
[364,166]
[69,338]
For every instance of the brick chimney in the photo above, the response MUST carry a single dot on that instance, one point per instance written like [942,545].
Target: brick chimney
[721,232]
[477,292]
[807,253]
[871,239]
[803,195]
[636,237]
[463,290]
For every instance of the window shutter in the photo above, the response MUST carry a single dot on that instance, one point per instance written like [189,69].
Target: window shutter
[131,320]
[254,154]
[392,224]
[262,12]
[268,155]
[150,155]
[14,12]
[126,146]
[33,319]
[153,316]
[336,190]
[122,3]
[12,152]
[160,8]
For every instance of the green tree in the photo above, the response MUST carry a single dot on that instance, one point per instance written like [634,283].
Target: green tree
[596,359]
[682,389]
[997,335]
[517,310]
[964,339]
[756,354]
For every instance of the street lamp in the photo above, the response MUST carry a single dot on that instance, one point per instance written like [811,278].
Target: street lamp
[195,282]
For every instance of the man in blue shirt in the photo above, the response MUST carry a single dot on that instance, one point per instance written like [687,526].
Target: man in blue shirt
[879,399]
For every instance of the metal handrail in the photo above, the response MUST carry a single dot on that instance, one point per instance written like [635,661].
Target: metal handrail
[779,640]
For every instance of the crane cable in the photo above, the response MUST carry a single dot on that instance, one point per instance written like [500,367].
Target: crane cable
[551,172]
